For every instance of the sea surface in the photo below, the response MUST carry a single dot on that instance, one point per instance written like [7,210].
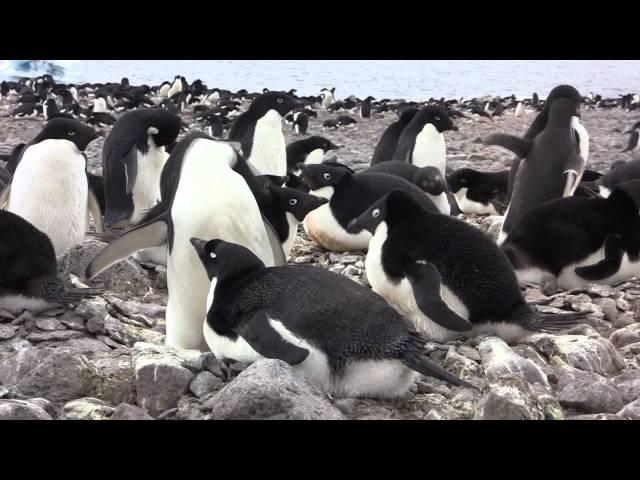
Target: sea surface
[409,79]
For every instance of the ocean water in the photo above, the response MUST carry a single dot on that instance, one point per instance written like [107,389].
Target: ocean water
[409,79]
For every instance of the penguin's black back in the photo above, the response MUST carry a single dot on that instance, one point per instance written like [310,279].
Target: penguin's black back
[26,253]
[394,167]
[386,147]
[622,173]
[336,315]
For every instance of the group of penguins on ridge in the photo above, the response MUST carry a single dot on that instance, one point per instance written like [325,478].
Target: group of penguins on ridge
[222,215]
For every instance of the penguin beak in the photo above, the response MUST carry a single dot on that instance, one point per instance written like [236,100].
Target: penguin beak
[353,227]
[199,245]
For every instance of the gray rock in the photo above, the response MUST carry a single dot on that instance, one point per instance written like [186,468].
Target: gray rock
[511,398]
[600,290]
[49,324]
[608,306]
[6,316]
[624,337]
[87,409]
[622,304]
[631,411]
[125,277]
[160,376]
[125,411]
[269,389]
[303,259]
[596,397]
[85,345]
[460,365]
[215,366]
[350,258]
[17,365]
[95,325]
[346,405]
[205,383]
[72,320]
[597,416]
[7,332]
[115,379]
[24,317]
[498,360]
[337,269]
[132,308]
[591,354]
[57,335]
[351,270]
[22,410]
[4,392]
[469,352]
[628,383]
[624,320]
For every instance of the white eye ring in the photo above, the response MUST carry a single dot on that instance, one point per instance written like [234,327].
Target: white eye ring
[463,180]
[280,100]
[327,176]
[375,213]
[213,255]
[71,133]
[293,201]
[437,118]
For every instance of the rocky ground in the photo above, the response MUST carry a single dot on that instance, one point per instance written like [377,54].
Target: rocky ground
[105,358]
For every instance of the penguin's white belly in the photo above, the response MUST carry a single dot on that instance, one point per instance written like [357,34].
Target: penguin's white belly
[584,138]
[430,149]
[146,190]
[400,295]
[268,151]
[323,228]
[50,190]
[314,157]
[442,202]
[472,207]
[293,230]
[209,200]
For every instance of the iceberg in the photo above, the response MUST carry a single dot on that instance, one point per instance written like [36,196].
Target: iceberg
[60,70]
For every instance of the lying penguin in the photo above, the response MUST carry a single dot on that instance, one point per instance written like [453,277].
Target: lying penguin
[480,193]
[570,242]
[446,276]
[339,335]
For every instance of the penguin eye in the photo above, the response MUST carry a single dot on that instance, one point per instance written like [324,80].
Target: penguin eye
[280,100]
[212,254]
[327,176]
[293,201]
[71,133]
[375,213]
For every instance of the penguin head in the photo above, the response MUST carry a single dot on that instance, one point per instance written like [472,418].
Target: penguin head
[325,174]
[563,91]
[74,131]
[273,180]
[437,116]
[317,142]
[406,114]
[281,102]
[462,178]
[430,180]
[222,259]
[392,208]
[297,202]
[163,125]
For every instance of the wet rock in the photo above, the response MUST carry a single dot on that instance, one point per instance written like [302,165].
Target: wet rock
[87,409]
[624,337]
[591,354]
[7,332]
[161,378]
[57,335]
[498,360]
[125,411]
[22,410]
[271,389]
[631,411]
[205,383]
[125,277]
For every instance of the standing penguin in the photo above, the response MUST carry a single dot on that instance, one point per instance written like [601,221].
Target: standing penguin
[444,275]
[336,333]
[132,160]
[633,147]
[551,167]
[259,129]
[300,123]
[386,147]
[50,188]
[365,107]
[422,141]
[29,274]
[201,195]
[327,97]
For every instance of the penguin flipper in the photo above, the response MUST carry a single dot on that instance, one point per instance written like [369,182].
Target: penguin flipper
[609,265]
[148,235]
[256,330]
[426,281]
[94,210]
[130,161]
[4,196]
[279,257]
[633,141]
[516,145]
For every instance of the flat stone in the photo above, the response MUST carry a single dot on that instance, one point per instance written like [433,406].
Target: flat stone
[460,365]
[7,332]
[600,290]
[87,409]
[498,359]
[71,320]
[24,317]
[22,410]
[205,383]
[51,336]
[49,324]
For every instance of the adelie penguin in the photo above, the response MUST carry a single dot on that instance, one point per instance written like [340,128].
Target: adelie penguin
[50,188]
[570,242]
[310,151]
[29,274]
[132,160]
[259,129]
[428,179]
[337,334]
[365,107]
[447,277]
[480,193]
[349,195]
[633,147]
[386,147]
[551,165]
[201,195]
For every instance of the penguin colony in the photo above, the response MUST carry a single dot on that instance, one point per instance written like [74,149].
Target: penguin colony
[220,202]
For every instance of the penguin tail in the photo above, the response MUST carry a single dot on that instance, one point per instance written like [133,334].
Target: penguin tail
[74,294]
[553,322]
[417,360]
